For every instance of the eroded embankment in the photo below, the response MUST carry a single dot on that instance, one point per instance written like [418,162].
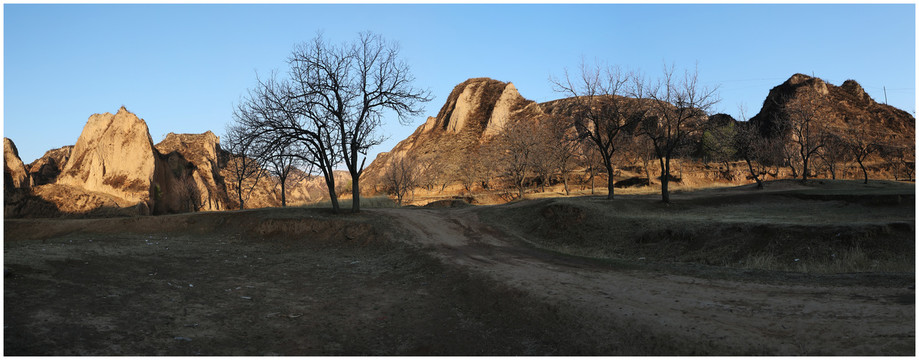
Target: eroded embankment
[764,231]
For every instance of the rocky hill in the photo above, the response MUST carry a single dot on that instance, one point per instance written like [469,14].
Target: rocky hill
[843,106]
[474,112]
[477,109]
[114,170]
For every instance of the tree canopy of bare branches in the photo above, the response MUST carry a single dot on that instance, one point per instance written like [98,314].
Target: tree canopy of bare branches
[245,170]
[332,104]
[677,111]
[402,177]
[604,111]
[349,87]
[807,132]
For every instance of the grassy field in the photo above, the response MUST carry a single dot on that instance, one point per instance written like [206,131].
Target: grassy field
[823,227]
[554,276]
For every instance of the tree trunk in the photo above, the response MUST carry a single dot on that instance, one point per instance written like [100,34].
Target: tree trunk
[864,170]
[565,180]
[239,191]
[591,170]
[283,193]
[610,183]
[330,183]
[355,193]
[665,180]
[804,170]
[759,182]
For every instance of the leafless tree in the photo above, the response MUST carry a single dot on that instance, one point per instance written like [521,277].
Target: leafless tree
[757,151]
[520,146]
[560,144]
[808,132]
[286,123]
[349,87]
[603,111]
[905,159]
[401,177]
[282,159]
[245,169]
[835,151]
[861,143]
[676,113]
[591,162]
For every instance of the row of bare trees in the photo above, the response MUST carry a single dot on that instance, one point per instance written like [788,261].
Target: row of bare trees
[620,118]
[326,111]
[612,104]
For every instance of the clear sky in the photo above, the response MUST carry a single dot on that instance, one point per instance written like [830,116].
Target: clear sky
[183,67]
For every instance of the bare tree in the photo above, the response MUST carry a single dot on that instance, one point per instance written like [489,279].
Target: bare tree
[245,169]
[676,114]
[904,158]
[401,177]
[808,132]
[281,156]
[861,143]
[835,151]
[349,87]
[275,115]
[603,111]
[559,143]
[519,144]
[757,151]
[590,160]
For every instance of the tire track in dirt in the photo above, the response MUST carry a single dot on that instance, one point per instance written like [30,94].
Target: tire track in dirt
[723,316]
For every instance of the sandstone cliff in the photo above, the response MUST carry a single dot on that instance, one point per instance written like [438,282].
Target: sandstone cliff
[15,175]
[474,112]
[204,152]
[114,155]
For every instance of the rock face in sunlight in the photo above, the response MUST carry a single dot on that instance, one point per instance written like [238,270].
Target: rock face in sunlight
[115,170]
[14,171]
[114,155]
[474,112]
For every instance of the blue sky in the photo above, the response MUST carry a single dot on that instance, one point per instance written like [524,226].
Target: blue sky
[183,67]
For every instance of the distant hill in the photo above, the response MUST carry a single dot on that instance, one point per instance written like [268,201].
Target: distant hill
[474,112]
[842,106]
[477,108]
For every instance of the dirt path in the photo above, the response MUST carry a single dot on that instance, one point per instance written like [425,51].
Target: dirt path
[717,316]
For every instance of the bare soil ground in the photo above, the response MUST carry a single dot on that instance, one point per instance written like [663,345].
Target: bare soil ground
[452,281]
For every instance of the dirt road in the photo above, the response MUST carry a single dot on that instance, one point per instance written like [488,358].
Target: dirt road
[707,315]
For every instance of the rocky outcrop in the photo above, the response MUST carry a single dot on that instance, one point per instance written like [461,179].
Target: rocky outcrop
[114,155]
[509,103]
[841,106]
[46,169]
[15,175]
[474,112]
[204,153]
